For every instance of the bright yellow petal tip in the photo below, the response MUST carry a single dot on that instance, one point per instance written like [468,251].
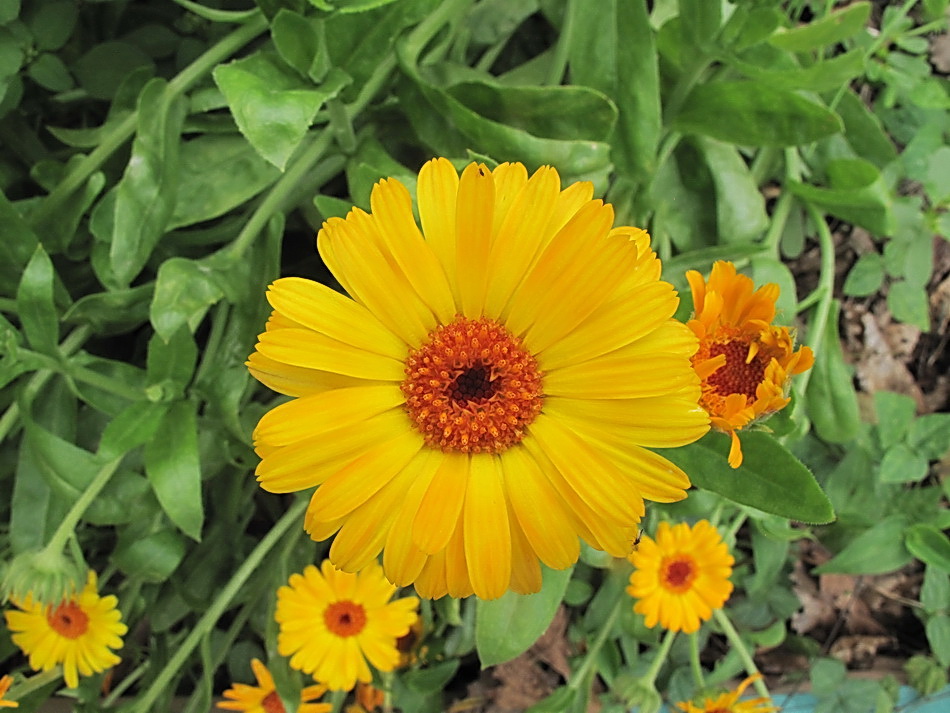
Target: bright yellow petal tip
[263,698]
[680,577]
[503,349]
[729,702]
[744,361]
[78,633]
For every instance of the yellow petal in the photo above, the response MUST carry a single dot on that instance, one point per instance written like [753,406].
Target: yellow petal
[438,513]
[487,534]
[437,191]
[473,229]
[312,350]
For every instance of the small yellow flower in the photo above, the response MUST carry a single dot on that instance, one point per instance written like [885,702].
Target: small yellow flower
[5,684]
[744,361]
[487,394]
[730,703]
[681,576]
[331,622]
[77,633]
[263,697]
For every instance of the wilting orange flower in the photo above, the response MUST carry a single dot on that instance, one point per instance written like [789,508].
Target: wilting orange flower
[263,697]
[730,703]
[744,361]
[681,576]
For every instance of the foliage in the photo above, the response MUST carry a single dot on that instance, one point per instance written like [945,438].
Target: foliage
[163,163]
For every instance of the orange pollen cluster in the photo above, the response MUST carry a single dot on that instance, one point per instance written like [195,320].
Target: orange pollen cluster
[68,620]
[345,618]
[737,376]
[472,387]
[678,573]
[272,703]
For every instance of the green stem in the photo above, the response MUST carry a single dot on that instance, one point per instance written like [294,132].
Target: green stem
[34,683]
[580,676]
[121,133]
[649,678]
[779,218]
[337,698]
[826,280]
[219,606]
[694,663]
[68,525]
[562,49]
[106,383]
[739,645]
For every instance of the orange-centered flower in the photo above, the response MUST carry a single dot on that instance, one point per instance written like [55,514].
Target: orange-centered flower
[729,702]
[331,622]
[78,633]
[744,361]
[486,395]
[681,576]
[263,698]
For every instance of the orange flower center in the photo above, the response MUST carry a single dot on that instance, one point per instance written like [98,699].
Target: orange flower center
[272,703]
[678,572]
[472,387]
[345,618]
[68,620]
[737,376]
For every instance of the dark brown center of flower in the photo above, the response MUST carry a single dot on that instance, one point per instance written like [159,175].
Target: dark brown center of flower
[738,376]
[68,620]
[272,703]
[677,573]
[472,387]
[345,618]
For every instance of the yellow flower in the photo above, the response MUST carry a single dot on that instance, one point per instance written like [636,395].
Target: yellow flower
[5,684]
[680,577]
[331,623]
[263,697]
[745,362]
[78,633]
[488,392]
[729,702]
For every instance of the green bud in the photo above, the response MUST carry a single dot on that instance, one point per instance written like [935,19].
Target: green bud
[47,576]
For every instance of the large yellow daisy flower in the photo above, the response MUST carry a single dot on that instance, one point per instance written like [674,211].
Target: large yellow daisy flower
[263,697]
[77,633]
[745,362]
[681,576]
[5,684]
[488,392]
[729,702]
[332,621]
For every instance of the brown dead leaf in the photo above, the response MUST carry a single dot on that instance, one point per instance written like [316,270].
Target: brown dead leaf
[858,651]
[940,53]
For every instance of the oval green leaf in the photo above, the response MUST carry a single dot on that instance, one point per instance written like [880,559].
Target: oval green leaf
[875,551]
[929,545]
[506,627]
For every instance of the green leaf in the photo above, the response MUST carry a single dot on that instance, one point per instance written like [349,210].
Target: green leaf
[271,105]
[49,72]
[929,545]
[171,364]
[35,306]
[829,74]
[768,269]
[152,558]
[133,427]
[103,68]
[857,194]
[506,627]
[935,591]
[217,174]
[184,290]
[875,551]
[751,113]
[297,40]
[930,435]
[113,312]
[749,25]
[864,132]
[895,413]
[740,206]
[938,634]
[770,478]
[866,276]
[17,245]
[621,31]
[145,196]
[829,30]
[902,465]
[908,303]
[831,402]
[175,472]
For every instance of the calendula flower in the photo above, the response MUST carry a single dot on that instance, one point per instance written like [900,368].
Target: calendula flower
[5,684]
[488,392]
[332,621]
[730,703]
[745,362]
[78,633]
[263,697]
[681,576]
